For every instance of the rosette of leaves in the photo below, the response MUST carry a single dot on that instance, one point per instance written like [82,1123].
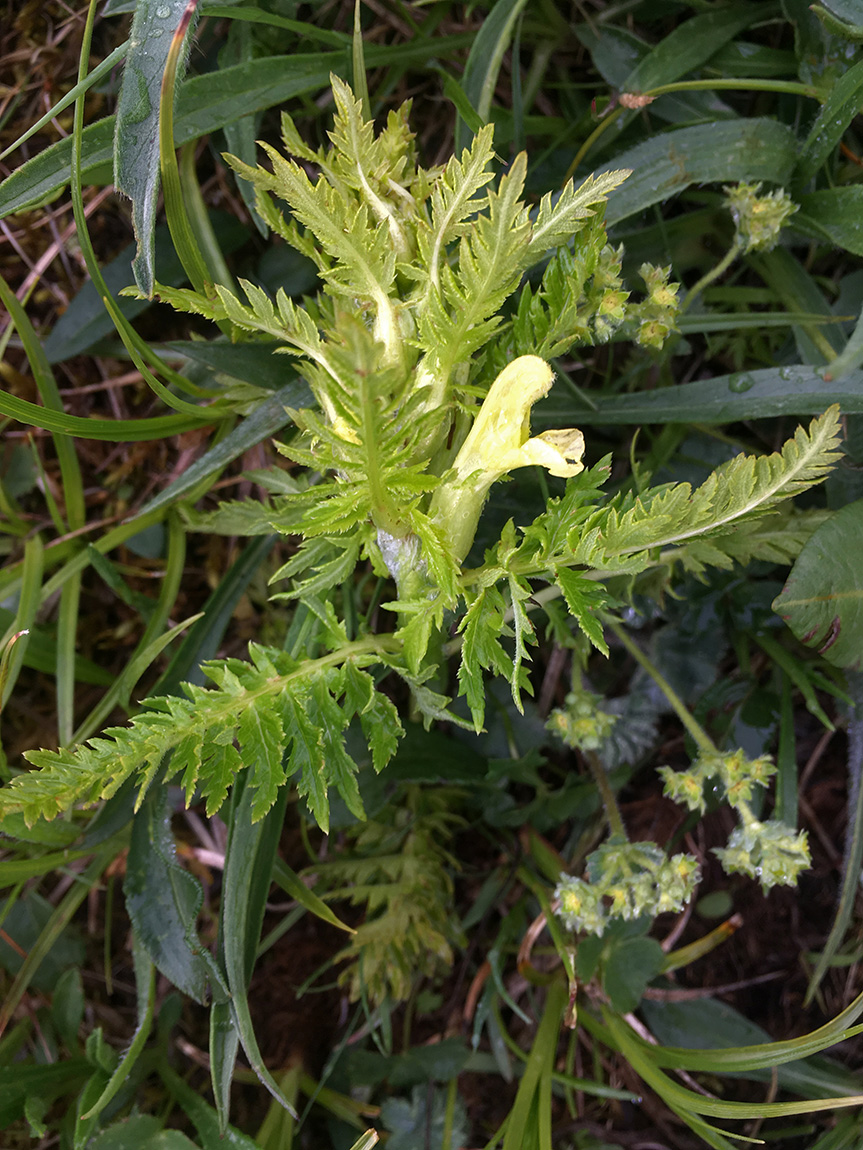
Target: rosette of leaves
[421,383]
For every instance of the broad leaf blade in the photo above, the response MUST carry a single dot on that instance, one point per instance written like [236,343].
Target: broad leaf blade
[162,899]
[136,138]
[822,602]
[722,152]
[766,393]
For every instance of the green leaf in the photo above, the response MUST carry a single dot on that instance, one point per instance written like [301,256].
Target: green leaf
[833,215]
[839,109]
[262,744]
[628,966]
[113,430]
[712,1025]
[140,1132]
[583,598]
[239,929]
[692,43]
[162,899]
[481,649]
[484,61]
[764,393]
[268,418]
[721,152]
[85,321]
[822,601]
[136,143]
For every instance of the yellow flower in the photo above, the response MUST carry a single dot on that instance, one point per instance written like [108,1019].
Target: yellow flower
[500,441]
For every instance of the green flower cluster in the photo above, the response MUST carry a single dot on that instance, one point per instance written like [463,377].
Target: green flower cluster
[758,219]
[657,312]
[771,852]
[625,881]
[734,772]
[581,723]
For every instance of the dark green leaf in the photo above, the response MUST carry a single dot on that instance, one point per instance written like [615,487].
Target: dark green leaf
[628,968]
[136,142]
[834,215]
[839,109]
[822,602]
[764,393]
[722,152]
[691,44]
[162,899]
[204,104]
[85,320]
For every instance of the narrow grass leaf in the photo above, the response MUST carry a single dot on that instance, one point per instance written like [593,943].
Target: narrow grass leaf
[17,638]
[60,918]
[539,1063]
[839,109]
[99,72]
[483,64]
[205,1119]
[765,393]
[271,416]
[113,430]
[691,44]
[293,885]
[205,104]
[145,980]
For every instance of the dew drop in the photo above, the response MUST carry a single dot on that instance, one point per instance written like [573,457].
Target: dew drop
[739,382]
[164,12]
[786,373]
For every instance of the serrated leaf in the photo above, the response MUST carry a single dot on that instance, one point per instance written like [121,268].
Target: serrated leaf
[583,597]
[481,649]
[262,744]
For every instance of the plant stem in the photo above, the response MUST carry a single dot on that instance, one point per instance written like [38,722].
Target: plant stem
[694,728]
[708,277]
[612,810]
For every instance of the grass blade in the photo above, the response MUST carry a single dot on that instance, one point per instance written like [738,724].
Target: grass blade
[722,152]
[764,393]
[483,64]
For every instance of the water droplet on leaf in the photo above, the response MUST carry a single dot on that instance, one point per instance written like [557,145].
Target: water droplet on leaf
[740,382]
[164,12]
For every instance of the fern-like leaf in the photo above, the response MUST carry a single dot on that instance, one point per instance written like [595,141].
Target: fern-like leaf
[275,718]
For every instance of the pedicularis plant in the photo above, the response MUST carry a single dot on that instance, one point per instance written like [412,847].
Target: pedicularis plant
[425,351]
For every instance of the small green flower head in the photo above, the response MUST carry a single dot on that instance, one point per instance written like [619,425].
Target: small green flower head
[626,881]
[736,772]
[656,313]
[771,852]
[582,724]
[758,218]
[581,906]
[686,787]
